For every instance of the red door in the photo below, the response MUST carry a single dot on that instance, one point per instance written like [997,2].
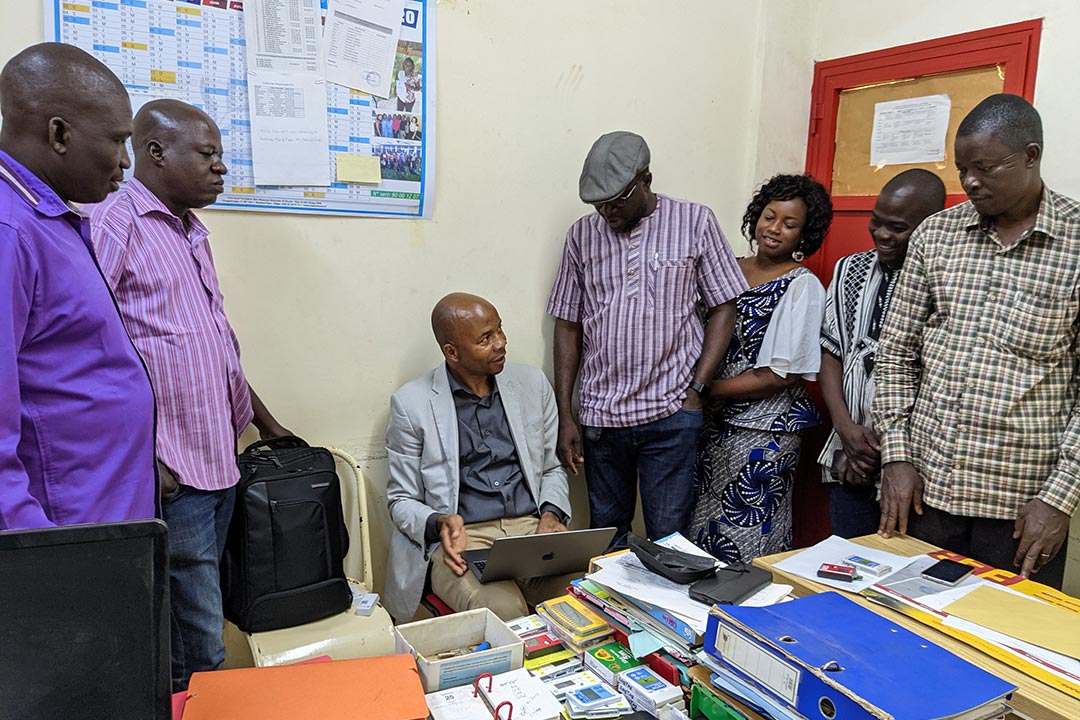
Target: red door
[966,67]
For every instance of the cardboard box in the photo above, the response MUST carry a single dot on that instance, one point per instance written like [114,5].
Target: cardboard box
[426,639]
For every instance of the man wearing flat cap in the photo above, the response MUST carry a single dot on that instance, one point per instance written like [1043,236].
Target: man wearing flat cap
[626,301]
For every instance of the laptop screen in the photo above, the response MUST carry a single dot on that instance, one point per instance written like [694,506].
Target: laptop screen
[84,622]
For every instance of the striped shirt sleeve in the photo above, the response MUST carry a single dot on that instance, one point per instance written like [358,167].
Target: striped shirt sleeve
[719,277]
[565,300]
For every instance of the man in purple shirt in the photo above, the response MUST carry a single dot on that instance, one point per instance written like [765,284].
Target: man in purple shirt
[76,408]
[155,255]
[634,277]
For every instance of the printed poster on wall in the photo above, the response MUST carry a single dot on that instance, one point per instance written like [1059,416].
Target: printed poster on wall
[196,51]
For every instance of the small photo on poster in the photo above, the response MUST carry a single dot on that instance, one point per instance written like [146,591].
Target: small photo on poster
[399,126]
[399,161]
[407,82]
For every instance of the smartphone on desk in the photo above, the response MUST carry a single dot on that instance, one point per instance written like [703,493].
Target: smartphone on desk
[947,572]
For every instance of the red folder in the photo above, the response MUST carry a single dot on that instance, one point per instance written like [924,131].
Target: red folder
[380,688]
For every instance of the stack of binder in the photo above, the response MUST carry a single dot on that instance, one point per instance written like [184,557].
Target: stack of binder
[826,656]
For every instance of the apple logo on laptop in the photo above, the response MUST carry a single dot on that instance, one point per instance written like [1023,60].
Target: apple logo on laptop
[549,556]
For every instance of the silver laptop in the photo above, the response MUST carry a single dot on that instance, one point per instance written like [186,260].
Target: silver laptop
[527,556]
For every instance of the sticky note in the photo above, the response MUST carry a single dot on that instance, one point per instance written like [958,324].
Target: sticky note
[358,169]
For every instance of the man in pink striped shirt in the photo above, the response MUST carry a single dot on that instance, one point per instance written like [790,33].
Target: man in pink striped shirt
[634,277]
[155,255]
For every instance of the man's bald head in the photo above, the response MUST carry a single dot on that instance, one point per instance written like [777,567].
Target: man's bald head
[470,335]
[52,79]
[453,309]
[65,118]
[166,120]
[921,188]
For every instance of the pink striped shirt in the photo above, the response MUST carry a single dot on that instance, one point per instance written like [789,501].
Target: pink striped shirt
[162,274]
[637,297]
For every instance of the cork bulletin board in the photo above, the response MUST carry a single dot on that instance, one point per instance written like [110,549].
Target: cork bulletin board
[852,172]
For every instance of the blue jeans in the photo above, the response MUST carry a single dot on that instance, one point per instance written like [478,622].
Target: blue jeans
[660,456]
[198,522]
[853,510]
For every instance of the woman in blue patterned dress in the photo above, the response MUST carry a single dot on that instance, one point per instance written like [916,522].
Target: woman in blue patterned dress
[758,404]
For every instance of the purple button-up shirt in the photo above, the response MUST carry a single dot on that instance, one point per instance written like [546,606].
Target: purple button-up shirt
[76,408]
[637,296]
[162,273]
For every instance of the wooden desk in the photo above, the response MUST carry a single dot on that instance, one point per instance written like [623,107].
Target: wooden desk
[1032,698]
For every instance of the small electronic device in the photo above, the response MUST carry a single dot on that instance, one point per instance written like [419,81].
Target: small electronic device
[870,567]
[541,644]
[843,573]
[947,572]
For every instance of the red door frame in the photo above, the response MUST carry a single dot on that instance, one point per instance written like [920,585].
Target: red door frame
[1015,46]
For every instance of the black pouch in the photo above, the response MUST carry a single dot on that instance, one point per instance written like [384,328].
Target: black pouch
[675,565]
[731,585]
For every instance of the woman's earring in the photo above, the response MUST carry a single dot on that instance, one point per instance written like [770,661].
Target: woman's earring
[798,256]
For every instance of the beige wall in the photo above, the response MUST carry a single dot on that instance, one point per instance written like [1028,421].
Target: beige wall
[803,32]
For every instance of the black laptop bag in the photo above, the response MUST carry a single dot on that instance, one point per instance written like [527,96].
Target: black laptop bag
[282,564]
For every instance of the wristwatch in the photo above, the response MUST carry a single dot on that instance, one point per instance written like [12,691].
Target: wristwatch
[700,388]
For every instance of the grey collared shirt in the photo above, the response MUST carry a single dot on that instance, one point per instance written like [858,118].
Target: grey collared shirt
[493,484]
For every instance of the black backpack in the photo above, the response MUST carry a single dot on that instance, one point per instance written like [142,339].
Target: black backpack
[283,557]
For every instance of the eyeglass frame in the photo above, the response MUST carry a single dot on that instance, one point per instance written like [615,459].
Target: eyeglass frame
[619,201]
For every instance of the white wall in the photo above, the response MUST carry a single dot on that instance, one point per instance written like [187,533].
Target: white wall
[803,32]
[333,313]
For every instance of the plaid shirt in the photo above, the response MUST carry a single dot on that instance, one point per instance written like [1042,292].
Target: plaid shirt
[978,359]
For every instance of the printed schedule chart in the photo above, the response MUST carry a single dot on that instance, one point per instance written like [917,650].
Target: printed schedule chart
[195,51]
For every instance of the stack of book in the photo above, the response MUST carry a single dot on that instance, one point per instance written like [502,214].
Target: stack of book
[576,625]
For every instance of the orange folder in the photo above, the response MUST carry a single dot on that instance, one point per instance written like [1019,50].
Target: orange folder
[380,688]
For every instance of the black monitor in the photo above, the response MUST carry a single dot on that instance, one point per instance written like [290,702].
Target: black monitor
[84,622]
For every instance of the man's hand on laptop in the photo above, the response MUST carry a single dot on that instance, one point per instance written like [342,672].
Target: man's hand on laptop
[549,522]
[452,535]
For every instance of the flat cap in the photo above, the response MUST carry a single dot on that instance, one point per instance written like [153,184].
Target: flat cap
[613,161]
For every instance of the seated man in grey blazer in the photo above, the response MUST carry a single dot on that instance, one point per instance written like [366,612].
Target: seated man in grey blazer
[472,457]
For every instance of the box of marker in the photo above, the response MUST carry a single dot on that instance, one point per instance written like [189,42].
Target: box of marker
[609,660]
[648,692]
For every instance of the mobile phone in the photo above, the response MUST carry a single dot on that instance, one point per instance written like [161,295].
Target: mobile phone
[948,572]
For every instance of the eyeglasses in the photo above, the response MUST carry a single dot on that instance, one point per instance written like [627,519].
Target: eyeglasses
[617,202]
[984,170]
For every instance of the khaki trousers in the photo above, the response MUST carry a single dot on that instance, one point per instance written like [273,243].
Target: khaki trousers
[508,599]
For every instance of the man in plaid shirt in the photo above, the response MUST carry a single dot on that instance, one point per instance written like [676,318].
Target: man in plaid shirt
[976,401]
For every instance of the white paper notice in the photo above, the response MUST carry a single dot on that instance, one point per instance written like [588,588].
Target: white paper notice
[912,130]
[286,93]
[360,41]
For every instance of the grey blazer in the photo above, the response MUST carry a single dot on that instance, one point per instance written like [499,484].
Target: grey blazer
[422,446]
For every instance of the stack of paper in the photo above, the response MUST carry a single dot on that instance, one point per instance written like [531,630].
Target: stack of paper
[1020,622]
[643,600]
